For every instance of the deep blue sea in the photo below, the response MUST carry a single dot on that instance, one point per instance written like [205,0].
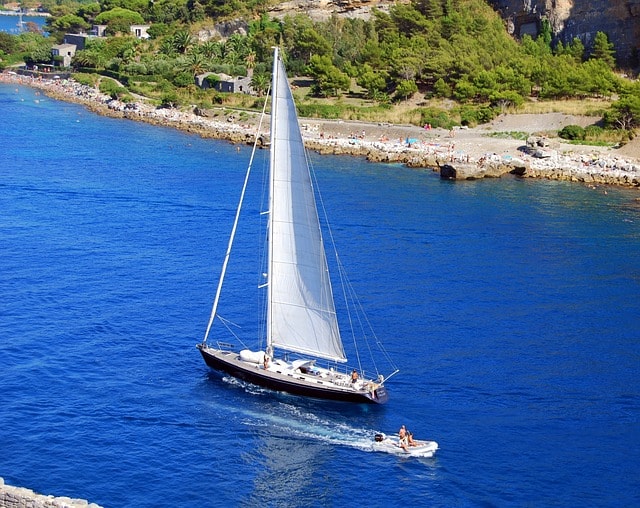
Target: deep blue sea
[511,307]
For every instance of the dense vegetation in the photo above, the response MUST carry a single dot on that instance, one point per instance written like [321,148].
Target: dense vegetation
[454,54]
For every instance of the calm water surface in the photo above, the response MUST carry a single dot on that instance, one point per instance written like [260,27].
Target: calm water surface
[511,307]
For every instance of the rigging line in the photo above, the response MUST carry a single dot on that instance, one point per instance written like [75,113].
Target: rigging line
[226,324]
[353,303]
[227,255]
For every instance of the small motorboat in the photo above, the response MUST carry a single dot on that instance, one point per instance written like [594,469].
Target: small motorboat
[391,444]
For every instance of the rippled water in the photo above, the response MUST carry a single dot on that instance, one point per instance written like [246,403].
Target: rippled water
[511,307]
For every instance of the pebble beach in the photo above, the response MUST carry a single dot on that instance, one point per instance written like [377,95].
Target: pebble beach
[472,153]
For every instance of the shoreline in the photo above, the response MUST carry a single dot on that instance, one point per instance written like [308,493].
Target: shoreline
[15,497]
[466,154]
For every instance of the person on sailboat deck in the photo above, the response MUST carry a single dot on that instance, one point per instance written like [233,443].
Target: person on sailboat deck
[266,362]
[354,376]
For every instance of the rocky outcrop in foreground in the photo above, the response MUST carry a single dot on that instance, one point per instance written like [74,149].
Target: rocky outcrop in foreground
[18,497]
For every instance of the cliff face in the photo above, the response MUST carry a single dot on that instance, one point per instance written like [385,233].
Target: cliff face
[619,19]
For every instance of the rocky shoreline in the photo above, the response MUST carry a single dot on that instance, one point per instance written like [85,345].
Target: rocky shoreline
[460,154]
[19,497]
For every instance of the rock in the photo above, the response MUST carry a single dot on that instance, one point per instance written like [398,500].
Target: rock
[619,19]
[447,172]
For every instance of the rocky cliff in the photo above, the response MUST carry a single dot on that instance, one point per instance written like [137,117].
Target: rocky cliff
[619,19]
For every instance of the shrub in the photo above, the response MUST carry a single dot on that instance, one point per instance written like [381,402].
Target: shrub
[436,117]
[111,88]
[572,132]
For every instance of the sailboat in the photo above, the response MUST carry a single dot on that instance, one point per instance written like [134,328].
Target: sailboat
[304,350]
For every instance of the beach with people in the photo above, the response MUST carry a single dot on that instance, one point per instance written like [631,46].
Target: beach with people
[487,150]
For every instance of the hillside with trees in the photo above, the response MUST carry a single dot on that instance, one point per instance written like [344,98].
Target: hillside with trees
[441,62]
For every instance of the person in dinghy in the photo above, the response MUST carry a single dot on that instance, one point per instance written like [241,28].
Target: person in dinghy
[405,439]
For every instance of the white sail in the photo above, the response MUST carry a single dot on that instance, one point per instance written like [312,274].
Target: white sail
[301,315]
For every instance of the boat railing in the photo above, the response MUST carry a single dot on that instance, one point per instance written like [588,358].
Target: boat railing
[225,345]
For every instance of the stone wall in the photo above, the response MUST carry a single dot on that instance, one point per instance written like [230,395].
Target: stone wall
[18,497]
[619,19]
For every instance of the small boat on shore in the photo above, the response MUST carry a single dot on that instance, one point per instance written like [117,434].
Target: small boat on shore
[391,444]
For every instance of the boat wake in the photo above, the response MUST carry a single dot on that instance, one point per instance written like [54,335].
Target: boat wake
[287,419]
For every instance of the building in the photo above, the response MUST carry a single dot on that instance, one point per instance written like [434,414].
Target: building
[140,31]
[78,40]
[224,83]
[63,53]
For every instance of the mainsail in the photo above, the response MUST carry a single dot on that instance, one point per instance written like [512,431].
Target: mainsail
[301,315]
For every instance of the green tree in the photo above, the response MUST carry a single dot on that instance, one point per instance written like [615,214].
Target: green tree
[7,43]
[210,49]
[35,47]
[119,20]
[89,11]
[506,100]
[441,89]
[169,99]
[138,6]
[260,83]
[624,114]
[167,11]
[597,78]
[406,64]
[182,41]
[485,84]
[69,23]
[546,35]
[603,50]
[432,9]
[464,90]
[194,63]
[94,55]
[405,89]
[576,49]
[329,80]
[372,81]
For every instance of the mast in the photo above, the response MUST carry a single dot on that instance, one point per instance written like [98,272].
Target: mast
[274,91]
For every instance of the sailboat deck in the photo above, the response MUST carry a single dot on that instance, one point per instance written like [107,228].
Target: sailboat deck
[289,377]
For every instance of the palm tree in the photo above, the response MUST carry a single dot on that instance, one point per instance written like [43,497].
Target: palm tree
[260,83]
[210,49]
[182,40]
[195,63]
[250,61]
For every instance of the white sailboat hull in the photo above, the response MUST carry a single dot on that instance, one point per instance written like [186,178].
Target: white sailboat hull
[295,378]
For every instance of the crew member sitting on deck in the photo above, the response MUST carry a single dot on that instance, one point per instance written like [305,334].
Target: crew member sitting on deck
[354,376]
